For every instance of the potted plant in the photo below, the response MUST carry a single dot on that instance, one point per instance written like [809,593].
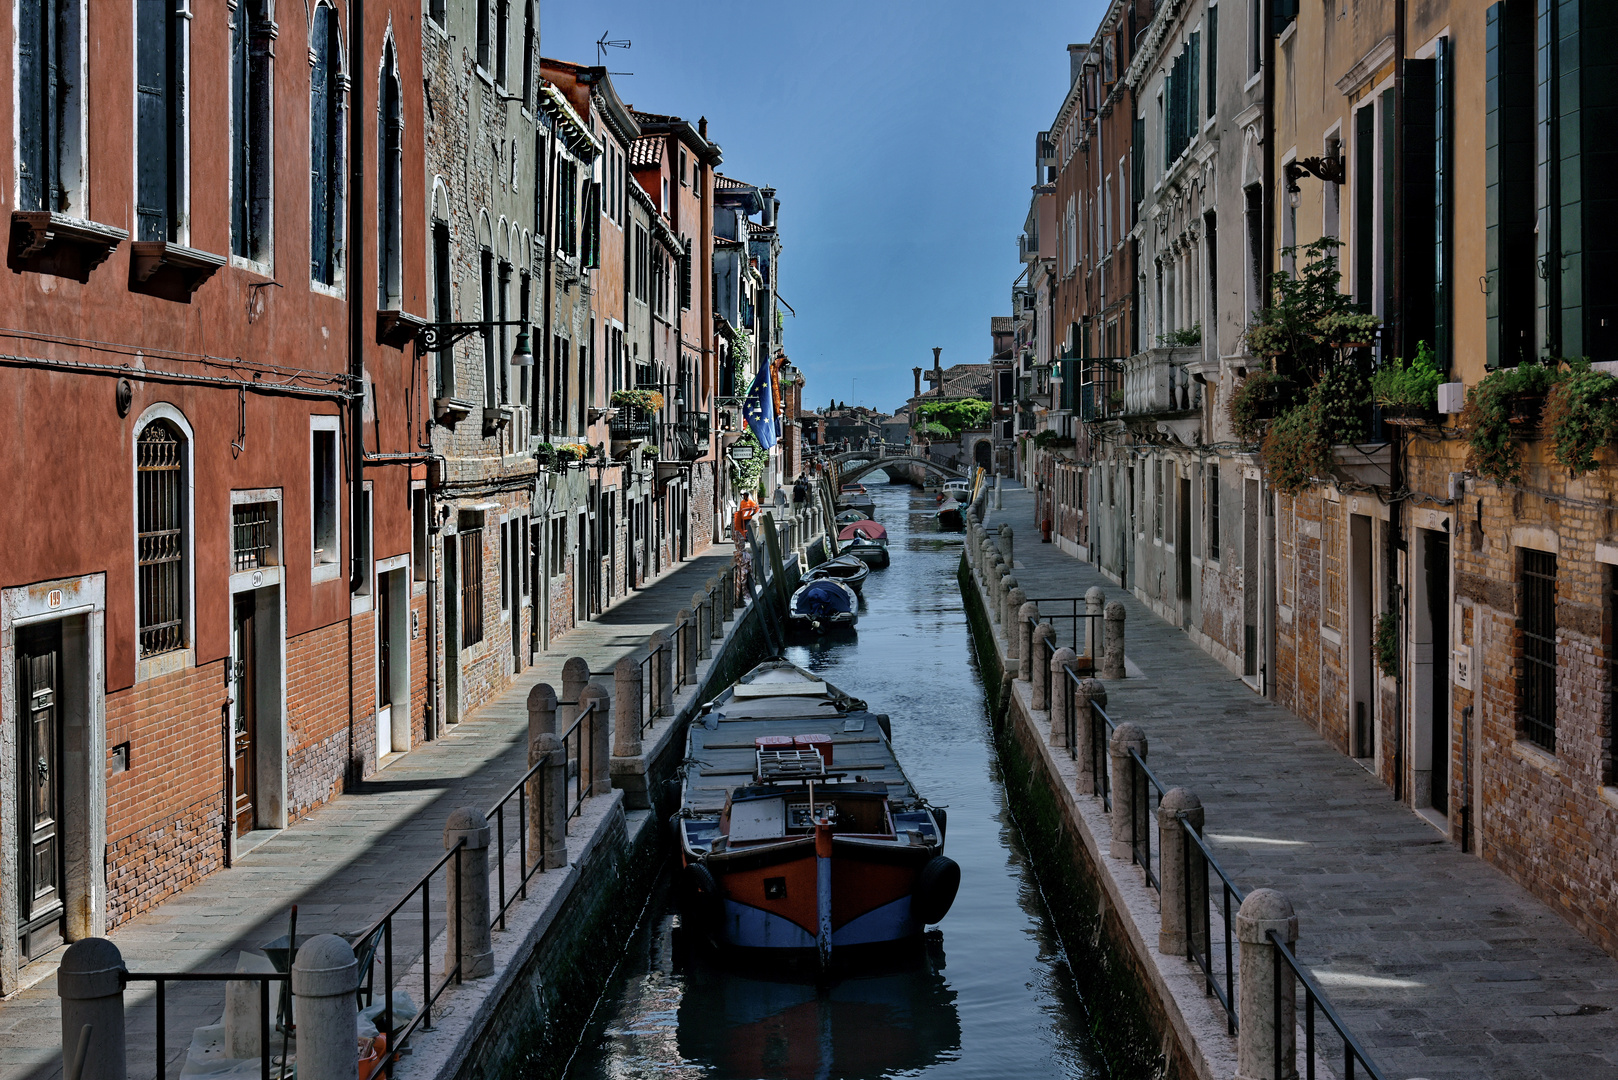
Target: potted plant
[1581,416]
[647,401]
[1503,406]
[572,453]
[1407,392]
[545,454]
[648,451]
[1258,400]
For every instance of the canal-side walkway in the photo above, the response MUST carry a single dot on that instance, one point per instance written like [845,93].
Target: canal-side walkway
[345,864]
[1441,965]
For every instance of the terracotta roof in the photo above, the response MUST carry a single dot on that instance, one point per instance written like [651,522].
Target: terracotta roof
[721,182]
[999,324]
[646,152]
[653,118]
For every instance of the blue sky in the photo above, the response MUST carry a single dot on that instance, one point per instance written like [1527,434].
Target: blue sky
[899,137]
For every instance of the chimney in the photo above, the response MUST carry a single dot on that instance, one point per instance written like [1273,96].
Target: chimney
[916,371]
[1076,55]
[702,126]
[767,195]
[938,372]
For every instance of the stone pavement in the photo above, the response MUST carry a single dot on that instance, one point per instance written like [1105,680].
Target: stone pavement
[1440,964]
[345,864]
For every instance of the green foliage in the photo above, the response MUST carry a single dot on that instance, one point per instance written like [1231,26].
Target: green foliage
[649,450]
[1297,445]
[545,454]
[1387,643]
[644,400]
[1491,406]
[957,416]
[1309,320]
[1412,384]
[1260,397]
[931,429]
[1183,338]
[1048,439]
[745,474]
[1581,416]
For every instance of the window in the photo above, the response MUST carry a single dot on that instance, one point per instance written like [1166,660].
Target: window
[683,182]
[486,312]
[507,566]
[159,116]
[389,195]
[323,491]
[251,34]
[419,548]
[503,356]
[360,543]
[471,587]
[483,16]
[1213,511]
[1157,498]
[252,535]
[1509,227]
[527,54]
[557,547]
[1331,569]
[161,540]
[48,106]
[1536,688]
[325,148]
[1213,56]
[442,309]
[502,38]
[435,11]
[642,259]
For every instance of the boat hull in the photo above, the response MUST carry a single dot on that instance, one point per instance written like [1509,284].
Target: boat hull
[871,554]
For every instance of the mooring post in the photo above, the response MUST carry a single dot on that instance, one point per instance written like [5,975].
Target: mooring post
[90,983]
[1089,692]
[626,713]
[1181,893]
[662,667]
[1008,581]
[1038,671]
[244,1012]
[1027,615]
[541,710]
[1060,701]
[324,978]
[1112,657]
[1126,807]
[575,676]
[1095,605]
[467,895]
[1015,599]
[600,736]
[1261,1041]
[1006,538]
[547,802]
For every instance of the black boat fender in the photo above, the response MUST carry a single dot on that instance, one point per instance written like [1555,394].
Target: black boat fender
[935,889]
[700,899]
[941,816]
[886,725]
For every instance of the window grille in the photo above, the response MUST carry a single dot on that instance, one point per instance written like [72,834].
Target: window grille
[160,540]
[252,528]
[471,588]
[1213,511]
[1536,693]
[1332,564]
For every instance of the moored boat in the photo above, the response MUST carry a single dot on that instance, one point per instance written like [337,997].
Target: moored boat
[950,516]
[845,568]
[866,540]
[855,497]
[799,832]
[848,517]
[823,606]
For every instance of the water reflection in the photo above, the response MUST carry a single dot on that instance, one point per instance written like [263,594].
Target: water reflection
[1005,1006]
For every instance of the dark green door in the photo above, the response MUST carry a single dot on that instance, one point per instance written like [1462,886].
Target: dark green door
[39,744]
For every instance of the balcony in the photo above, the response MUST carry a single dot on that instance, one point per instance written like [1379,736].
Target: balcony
[1158,381]
[684,440]
[630,424]
[1027,248]
[1100,389]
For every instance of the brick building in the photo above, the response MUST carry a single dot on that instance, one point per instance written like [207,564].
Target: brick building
[215,633]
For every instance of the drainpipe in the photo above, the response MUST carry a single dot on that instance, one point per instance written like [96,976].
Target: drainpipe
[1270,549]
[356,336]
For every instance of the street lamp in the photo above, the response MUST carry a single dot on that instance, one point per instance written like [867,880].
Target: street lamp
[436,337]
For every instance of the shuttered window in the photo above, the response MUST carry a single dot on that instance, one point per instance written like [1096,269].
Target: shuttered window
[160,537]
[1443,202]
[1419,237]
[1536,687]
[158,111]
[251,34]
[1364,204]
[442,309]
[486,313]
[1213,59]
[47,37]
[325,148]
[1509,182]
[471,588]
[390,194]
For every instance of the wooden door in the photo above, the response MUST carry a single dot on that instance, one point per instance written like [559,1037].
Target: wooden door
[244,726]
[1437,567]
[39,744]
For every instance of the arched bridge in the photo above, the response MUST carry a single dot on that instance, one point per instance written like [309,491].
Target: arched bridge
[849,466]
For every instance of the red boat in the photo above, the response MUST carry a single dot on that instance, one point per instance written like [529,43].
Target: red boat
[798,829]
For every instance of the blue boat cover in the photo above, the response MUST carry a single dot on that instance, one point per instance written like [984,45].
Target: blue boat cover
[820,599]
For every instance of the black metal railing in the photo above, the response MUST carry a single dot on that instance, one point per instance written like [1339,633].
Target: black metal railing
[1313,1001]
[1199,928]
[1101,729]
[630,423]
[579,749]
[1100,389]
[163,978]
[379,938]
[1068,612]
[652,666]
[534,778]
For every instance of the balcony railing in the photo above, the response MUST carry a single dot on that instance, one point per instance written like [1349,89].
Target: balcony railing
[630,424]
[1101,389]
[1157,381]
[686,439]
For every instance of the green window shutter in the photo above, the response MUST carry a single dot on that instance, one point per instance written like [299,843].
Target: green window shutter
[1385,226]
[1493,188]
[1193,84]
[1419,247]
[1364,203]
[1509,181]
[1213,58]
[1137,163]
[1443,202]
[1548,196]
[1598,160]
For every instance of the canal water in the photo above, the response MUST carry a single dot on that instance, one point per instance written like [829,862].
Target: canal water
[992,997]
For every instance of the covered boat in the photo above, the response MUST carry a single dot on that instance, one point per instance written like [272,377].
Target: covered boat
[867,540]
[848,517]
[845,568]
[798,830]
[951,518]
[822,606]
[855,497]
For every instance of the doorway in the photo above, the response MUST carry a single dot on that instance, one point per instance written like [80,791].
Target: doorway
[1126,561]
[1361,639]
[452,630]
[1250,561]
[1429,649]
[1182,543]
[244,713]
[41,866]
[392,663]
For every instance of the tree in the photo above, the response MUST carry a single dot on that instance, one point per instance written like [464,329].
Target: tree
[959,415]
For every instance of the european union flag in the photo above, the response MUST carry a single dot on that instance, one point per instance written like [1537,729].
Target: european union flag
[759,410]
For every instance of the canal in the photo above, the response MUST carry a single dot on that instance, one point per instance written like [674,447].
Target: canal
[993,996]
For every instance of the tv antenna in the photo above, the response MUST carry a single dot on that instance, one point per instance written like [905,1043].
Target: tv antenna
[603,43]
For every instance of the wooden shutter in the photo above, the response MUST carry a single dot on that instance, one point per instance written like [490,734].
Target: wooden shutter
[1193,84]
[592,213]
[240,242]
[33,42]
[1137,162]
[1213,58]
[1443,201]
[1509,180]
[685,285]
[1598,159]
[1364,203]
[1386,223]
[152,129]
[320,193]
[1419,250]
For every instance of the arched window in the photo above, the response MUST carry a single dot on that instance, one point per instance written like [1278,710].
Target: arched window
[251,35]
[326,123]
[389,174]
[161,541]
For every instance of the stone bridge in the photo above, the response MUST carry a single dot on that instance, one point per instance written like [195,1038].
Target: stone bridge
[849,466]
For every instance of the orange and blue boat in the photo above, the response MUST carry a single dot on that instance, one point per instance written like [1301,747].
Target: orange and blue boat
[799,832]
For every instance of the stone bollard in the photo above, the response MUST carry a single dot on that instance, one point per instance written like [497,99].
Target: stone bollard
[1039,674]
[547,802]
[1183,896]
[1059,698]
[1095,605]
[541,710]
[1112,656]
[244,1018]
[467,895]
[1008,581]
[91,985]
[997,480]
[599,736]
[1260,1041]
[626,716]
[1128,806]
[662,648]
[1027,615]
[688,646]
[575,677]
[1089,692]
[1005,545]
[1015,599]
[324,978]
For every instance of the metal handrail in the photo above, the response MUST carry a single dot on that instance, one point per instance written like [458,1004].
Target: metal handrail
[384,926]
[1073,616]
[1100,760]
[1204,958]
[651,681]
[162,978]
[519,791]
[1140,833]
[1312,996]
